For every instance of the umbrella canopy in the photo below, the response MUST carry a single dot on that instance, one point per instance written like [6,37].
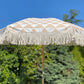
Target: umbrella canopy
[42,31]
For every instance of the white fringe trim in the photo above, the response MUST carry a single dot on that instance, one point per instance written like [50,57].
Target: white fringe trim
[69,37]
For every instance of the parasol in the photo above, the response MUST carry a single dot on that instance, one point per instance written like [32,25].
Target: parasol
[42,31]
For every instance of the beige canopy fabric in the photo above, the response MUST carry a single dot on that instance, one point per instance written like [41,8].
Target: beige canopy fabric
[42,31]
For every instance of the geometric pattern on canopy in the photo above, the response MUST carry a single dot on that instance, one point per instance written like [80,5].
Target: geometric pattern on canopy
[40,25]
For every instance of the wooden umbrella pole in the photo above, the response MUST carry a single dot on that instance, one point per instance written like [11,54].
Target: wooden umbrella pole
[42,64]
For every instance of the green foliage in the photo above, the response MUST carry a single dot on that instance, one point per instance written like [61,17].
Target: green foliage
[63,69]
[18,63]
[72,16]
[8,67]
[78,53]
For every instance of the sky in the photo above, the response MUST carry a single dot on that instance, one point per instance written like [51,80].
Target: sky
[14,10]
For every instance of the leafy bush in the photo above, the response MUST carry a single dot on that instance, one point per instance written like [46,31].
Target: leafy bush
[63,69]
[18,63]
[78,55]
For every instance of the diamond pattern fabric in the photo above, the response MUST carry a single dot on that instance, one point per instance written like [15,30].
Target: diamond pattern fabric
[39,25]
